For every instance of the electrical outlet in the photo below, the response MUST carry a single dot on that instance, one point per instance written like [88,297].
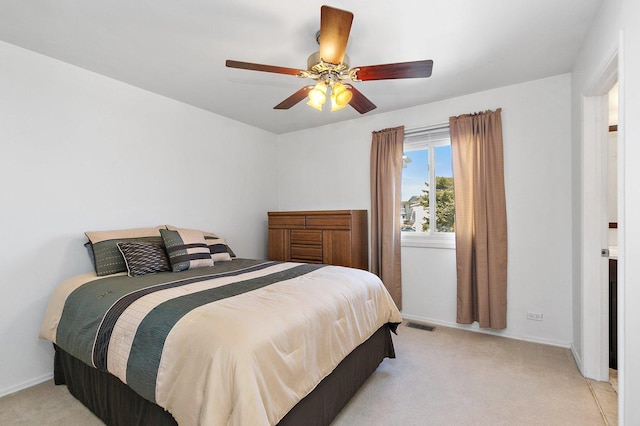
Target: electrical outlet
[535,316]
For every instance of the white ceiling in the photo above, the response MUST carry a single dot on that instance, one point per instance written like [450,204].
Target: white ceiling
[178,48]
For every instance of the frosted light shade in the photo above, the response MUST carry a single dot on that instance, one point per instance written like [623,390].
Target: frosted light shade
[318,96]
[340,97]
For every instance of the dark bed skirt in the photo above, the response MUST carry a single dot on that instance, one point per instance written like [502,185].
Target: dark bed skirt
[116,404]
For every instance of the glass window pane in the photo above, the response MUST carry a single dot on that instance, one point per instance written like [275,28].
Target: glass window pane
[415,191]
[444,189]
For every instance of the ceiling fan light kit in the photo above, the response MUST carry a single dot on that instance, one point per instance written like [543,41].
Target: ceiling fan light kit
[318,96]
[330,65]
[340,96]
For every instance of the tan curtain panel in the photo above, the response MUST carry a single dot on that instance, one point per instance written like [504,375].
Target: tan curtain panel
[481,219]
[386,180]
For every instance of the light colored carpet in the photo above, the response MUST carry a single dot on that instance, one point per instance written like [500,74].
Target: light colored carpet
[607,399]
[445,377]
[613,379]
[456,377]
[45,404]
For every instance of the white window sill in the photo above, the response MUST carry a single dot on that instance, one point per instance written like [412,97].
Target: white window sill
[428,241]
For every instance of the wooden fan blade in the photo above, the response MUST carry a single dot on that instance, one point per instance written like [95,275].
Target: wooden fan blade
[335,25]
[294,99]
[261,67]
[359,102]
[415,69]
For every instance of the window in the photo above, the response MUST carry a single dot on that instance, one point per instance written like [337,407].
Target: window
[427,164]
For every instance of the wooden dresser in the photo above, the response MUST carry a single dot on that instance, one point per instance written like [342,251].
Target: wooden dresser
[334,237]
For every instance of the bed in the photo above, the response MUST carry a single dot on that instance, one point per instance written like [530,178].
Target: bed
[236,342]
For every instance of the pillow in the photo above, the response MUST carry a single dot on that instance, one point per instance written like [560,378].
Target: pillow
[144,258]
[218,249]
[108,259]
[186,249]
[209,236]
[87,245]
[206,234]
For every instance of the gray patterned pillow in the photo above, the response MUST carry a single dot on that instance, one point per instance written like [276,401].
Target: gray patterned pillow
[108,259]
[144,258]
[186,249]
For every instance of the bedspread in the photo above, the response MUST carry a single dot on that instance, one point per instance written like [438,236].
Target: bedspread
[238,343]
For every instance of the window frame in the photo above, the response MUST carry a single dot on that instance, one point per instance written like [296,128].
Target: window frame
[420,139]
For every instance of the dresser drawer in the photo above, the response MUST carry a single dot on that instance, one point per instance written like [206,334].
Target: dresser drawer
[329,222]
[286,222]
[306,253]
[306,237]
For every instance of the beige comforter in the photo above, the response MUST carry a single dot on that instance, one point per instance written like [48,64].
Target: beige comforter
[248,359]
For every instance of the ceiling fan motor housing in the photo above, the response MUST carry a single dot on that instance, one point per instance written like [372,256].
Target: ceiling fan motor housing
[315,65]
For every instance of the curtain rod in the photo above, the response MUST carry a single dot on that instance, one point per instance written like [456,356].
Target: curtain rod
[418,130]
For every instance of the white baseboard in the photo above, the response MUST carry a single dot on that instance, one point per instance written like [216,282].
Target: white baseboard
[25,385]
[577,359]
[476,329]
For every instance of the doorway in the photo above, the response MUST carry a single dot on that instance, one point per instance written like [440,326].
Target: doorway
[612,235]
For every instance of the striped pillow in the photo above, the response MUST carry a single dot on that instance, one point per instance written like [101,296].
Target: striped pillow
[144,258]
[218,249]
[187,249]
[210,236]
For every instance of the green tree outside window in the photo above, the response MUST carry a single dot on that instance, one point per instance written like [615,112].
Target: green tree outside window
[445,206]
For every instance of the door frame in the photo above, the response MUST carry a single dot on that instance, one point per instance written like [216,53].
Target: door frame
[594,226]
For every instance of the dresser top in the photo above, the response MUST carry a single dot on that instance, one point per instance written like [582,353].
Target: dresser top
[313,212]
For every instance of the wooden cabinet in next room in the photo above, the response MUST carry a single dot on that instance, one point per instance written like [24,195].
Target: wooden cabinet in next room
[334,237]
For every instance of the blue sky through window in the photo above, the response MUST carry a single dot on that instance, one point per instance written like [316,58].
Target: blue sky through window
[417,171]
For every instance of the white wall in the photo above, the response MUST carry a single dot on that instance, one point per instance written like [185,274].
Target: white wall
[328,168]
[616,17]
[83,152]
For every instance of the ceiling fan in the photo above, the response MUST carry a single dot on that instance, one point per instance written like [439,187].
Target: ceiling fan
[330,66]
